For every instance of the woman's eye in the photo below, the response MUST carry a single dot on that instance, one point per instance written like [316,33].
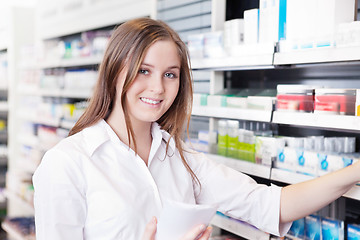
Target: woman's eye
[144,71]
[170,75]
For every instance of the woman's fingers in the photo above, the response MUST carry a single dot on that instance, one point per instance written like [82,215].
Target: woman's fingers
[206,234]
[197,231]
[150,230]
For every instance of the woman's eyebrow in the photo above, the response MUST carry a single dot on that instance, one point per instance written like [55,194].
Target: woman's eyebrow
[152,66]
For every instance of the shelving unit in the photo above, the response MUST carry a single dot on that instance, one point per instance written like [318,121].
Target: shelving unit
[305,63]
[325,55]
[239,228]
[75,62]
[232,113]
[253,169]
[340,122]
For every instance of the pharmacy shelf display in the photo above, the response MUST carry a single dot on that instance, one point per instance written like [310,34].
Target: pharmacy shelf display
[320,55]
[297,59]
[340,122]
[232,113]
[239,228]
[75,62]
[286,176]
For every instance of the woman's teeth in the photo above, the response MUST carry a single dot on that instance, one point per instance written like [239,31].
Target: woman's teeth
[146,100]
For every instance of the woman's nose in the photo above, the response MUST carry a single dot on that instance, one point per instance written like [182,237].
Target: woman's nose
[156,84]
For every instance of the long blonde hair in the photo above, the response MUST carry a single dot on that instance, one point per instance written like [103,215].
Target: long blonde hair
[127,47]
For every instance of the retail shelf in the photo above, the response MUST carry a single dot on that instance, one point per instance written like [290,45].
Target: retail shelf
[344,122]
[232,113]
[4,106]
[248,62]
[241,229]
[243,166]
[81,18]
[51,122]
[66,93]
[286,176]
[321,55]
[353,193]
[16,198]
[292,178]
[72,62]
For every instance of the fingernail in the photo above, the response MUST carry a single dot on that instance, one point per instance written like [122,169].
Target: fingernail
[210,229]
[154,220]
[202,227]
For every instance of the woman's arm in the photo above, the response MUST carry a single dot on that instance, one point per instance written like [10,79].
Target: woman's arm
[301,199]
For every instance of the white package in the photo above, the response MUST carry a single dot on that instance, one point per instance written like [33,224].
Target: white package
[251,26]
[179,218]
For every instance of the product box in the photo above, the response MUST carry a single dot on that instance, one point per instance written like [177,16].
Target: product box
[246,145]
[237,102]
[353,231]
[272,20]
[298,228]
[196,45]
[312,227]
[217,100]
[214,45]
[357,104]
[317,29]
[223,137]
[286,159]
[335,101]
[200,99]
[348,34]
[331,162]
[266,149]
[332,229]
[251,26]
[261,103]
[233,128]
[295,98]
[233,33]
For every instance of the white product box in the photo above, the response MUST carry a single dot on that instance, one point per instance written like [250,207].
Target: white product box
[251,26]
[266,149]
[214,45]
[200,99]
[317,29]
[348,34]
[330,13]
[233,32]
[272,20]
[236,102]
[216,101]
[286,159]
[331,162]
[260,103]
[196,45]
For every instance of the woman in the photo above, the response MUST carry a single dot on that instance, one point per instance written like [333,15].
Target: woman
[125,156]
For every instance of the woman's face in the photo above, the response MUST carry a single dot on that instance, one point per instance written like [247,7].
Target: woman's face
[156,84]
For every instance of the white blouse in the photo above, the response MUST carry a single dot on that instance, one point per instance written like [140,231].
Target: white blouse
[92,186]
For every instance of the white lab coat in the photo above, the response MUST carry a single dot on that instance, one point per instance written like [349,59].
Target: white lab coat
[92,186]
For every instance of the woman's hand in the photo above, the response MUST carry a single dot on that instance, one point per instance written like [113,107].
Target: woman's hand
[150,231]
